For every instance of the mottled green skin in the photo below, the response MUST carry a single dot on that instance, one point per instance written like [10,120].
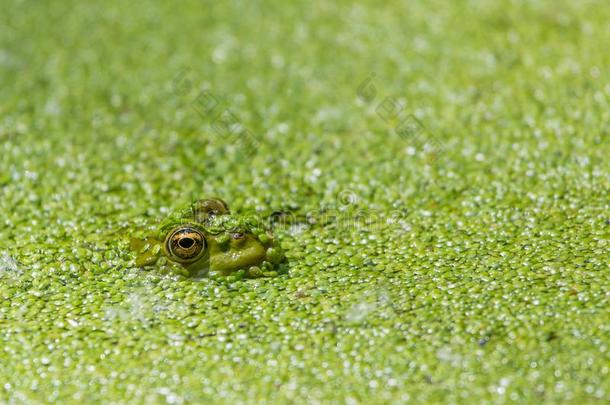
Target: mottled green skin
[254,254]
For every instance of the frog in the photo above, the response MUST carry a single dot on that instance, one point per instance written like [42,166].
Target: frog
[205,239]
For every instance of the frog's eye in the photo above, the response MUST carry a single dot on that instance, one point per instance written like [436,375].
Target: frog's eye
[206,209]
[185,244]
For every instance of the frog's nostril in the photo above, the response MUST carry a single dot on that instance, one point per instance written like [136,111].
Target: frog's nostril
[186,243]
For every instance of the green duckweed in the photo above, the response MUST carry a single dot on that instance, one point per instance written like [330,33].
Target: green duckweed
[459,258]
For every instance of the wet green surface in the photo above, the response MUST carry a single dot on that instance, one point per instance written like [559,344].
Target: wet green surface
[482,273]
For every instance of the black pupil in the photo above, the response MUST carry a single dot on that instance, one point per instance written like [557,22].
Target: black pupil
[186,243]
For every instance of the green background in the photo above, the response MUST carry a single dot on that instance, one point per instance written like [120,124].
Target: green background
[481,275]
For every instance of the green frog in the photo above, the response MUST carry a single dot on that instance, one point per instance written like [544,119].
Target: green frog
[206,240]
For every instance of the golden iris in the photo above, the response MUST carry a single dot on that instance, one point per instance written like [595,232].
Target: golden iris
[185,243]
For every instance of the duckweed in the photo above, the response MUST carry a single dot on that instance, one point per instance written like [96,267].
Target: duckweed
[477,271]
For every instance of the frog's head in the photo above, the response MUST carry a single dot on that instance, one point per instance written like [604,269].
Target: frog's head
[206,239]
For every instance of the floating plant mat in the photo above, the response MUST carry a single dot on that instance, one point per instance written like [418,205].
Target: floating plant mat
[445,166]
